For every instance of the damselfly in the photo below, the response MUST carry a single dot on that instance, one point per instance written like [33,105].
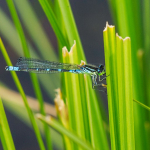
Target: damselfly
[39,66]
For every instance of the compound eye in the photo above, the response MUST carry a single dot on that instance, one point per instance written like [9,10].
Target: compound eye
[101,68]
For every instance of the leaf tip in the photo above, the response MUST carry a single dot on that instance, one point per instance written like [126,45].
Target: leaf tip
[65,51]
[126,38]
[108,26]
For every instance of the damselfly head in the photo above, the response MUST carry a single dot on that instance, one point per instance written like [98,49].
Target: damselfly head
[101,70]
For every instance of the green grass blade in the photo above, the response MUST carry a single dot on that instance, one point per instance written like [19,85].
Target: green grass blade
[119,86]
[128,95]
[109,47]
[73,94]
[53,21]
[38,35]
[121,91]
[5,132]
[33,76]
[70,27]
[18,26]
[146,107]
[20,89]
[57,126]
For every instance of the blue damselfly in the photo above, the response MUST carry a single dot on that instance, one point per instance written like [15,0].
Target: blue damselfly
[40,66]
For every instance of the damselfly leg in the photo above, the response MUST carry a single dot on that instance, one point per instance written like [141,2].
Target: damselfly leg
[95,84]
